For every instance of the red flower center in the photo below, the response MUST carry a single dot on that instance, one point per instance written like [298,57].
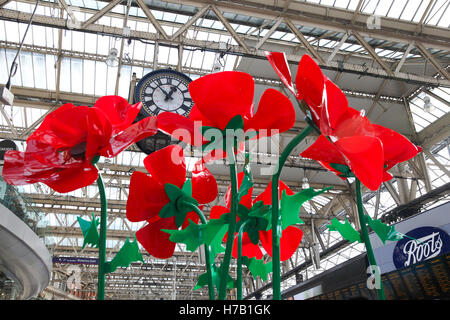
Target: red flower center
[79,151]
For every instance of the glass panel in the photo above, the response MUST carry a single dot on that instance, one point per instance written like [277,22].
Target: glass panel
[26,67]
[50,71]
[100,78]
[65,75]
[39,71]
[77,75]
[111,80]
[89,77]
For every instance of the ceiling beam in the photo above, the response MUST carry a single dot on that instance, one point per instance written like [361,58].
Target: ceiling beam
[334,19]
[230,29]
[100,13]
[304,41]
[372,52]
[427,55]
[191,21]
[152,18]
[13,15]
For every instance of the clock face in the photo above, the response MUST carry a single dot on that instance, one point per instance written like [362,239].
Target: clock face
[160,91]
[164,90]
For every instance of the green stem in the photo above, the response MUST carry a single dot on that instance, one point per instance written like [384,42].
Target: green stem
[276,218]
[200,214]
[239,262]
[365,237]
[102,239]
[231,228]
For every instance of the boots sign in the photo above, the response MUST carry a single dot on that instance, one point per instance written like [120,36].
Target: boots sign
[430,242]
[6,145]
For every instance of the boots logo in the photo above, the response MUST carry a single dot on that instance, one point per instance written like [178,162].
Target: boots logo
[430,242]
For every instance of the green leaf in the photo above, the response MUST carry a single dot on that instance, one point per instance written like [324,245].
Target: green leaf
[203,279]
[236,123]
[247,183]
[214,231]
[343,169]
[258,267]
[224,139]
[290,205]
[127,254]
[180,204]
[89,230]
[256,219]
[191,236]
[345,229]
[384,232]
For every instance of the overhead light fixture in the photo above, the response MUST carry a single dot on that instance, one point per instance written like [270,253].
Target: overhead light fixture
[427,105]
[218,62]
[305,182]
[113,59]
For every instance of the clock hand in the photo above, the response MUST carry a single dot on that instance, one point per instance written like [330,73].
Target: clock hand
[172,90]
[165,93]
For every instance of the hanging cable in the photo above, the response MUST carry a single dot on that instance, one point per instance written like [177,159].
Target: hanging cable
[14,64]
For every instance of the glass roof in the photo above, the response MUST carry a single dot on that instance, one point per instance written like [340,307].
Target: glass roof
[408,10]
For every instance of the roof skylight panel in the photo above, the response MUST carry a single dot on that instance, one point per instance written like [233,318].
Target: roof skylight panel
[181,18]
[329,3]
[341,3]
[369,6]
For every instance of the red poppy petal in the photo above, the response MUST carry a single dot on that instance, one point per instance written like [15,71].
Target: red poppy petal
[146,197]
[353,123]
[204,185]
[266,195]
[167,165]
[63,128]
[120,113]
[155,241]
[14,168]
[246,200]
[396,147]
[181,128]
[364,156]
[196,115]
[76,129]
[49,156]
[99,132]
[289,241]
[275,114]
[334,108]
[310,81]
[387,176]
[190,216]
[323,150]
[137,131]
[280,65]
[223,95]
[249,249]
[66,180]
[217,211]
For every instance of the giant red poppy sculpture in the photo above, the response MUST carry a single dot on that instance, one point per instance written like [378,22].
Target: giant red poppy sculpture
[165,199]
[222,118]
[62,153]
[170,204]
[223,114]
[348,138]
[254,218]
[348,145]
